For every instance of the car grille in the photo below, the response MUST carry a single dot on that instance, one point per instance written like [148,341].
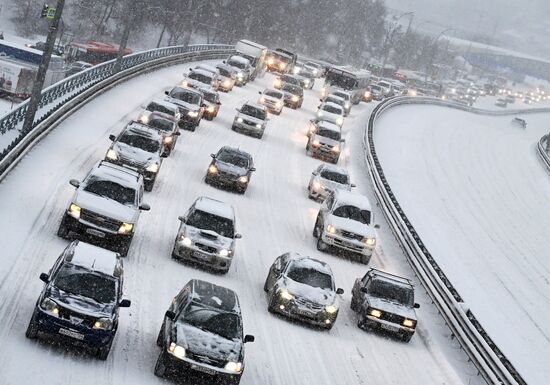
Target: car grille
[325,147]
[351,235]
[76,318]
[249,122]
[100,220]
[227,175]
[206,248]
[205,359]
[300,301]
[129,162]
[394,318]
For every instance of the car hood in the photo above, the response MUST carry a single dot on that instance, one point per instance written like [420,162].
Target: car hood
[182,104]
[331,185]
[350,225]
[231,168]
[208,237]
[288,95]
[251,119]
[329,117]
[271,98]
[80,304]
[392,307]
[135,155]
[205,343]
[313,294]
[105,206]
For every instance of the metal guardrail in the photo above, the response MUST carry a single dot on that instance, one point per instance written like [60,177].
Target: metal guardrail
[490,361]
[543,147]
[79,88]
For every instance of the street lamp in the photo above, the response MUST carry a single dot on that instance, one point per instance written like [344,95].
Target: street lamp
[389,36]
[434,42]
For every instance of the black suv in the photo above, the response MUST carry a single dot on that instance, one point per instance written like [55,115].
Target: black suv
[293,95]
[138,147]
[191,105]
[202,335]
[230,167]
[166,126]
[105,207]
[81,298]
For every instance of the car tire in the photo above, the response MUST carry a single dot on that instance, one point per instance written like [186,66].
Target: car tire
[266,289]
[103,352]
[149,185]
[124,248]
[364,259]
[32,329]
[209,117]
[353,304]
[160,366]
[407,337]
[63,230]
[270,305]
[316,227]
[361,322]
[160,337]
[329,326]
[321,246]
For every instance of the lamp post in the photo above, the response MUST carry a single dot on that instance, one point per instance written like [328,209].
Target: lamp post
[389,36]
[432,56]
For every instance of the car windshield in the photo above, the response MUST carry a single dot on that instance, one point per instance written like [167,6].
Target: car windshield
[185,96]
[161,124]
[236,63]
[391,292]
[334,100]
[334,176]
[253,111]
[331,109]
[353,213]
[342,95]
[142,142]
[291,80]
[79,281]
[224,324]
[335,135]
[154,107]
[275,94]
[111,190]
[200,77]
[206,221]
[309,276]
[233,158]
[211,97]
[225,72]
[292,89]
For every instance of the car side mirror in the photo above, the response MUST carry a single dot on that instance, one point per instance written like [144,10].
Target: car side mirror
[223,61]
[144,207]
[112,137]
[237,236]
[320,100]
[170,315]
[353,185]
[253,169]
[164,155]
[213,156]
[181,218]
[236,109]
[343,140]
[74,183]
[166,93]
[125,303]
[44,277]
[364,290]
[314,173]
[416,305]
[377,226]
[339,291]
[260,92]
[248,338]
[176,133]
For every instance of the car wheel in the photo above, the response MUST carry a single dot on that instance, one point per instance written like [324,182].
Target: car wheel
[316,227]
[160,367]
[271,305]
[361,322]
[148,185]
[407,337]
[329,326]
[335,161]
[365,259]
[160,337]
[63,230]
[32,329]
[124,248]
[321,246]
[209,117]
[103,352]
[193,128]
[353,304]
[266,289]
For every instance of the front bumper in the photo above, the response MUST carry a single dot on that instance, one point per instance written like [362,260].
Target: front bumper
[252,128]
[219,179]
[322,153]
[377,323]
[347,244]
[196,255]
[94,234]
[291,309]
[66,330]
[195,372]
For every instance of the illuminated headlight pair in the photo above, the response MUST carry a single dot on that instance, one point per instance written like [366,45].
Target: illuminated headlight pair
[74,211]
[125,228]
[50,307]
[103,323]
[295,98]
[193,114]
[370,241]
[112,154]
[235,367]
[153,167]
[176,350]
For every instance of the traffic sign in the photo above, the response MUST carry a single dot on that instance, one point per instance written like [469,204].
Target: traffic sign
[51,13]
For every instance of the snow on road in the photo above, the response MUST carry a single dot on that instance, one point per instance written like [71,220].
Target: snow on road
[274,216]
[477,193]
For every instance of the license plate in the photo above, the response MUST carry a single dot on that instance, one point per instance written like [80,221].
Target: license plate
[391,328]
[201,256]
[70,333]
[95,233]
[305,313]
[203,369]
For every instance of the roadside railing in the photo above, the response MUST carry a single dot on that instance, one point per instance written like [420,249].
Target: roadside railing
[490,361]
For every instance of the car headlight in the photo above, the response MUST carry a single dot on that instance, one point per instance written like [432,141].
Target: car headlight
[278,104]
[270,61]
[239,74]
[282,66]
[50,306]
[286,295]
[258,125]
[336,148]
[210,109]
[143,119]
[295,98]
[103,323]
[316,143]
[370,241]
[331,309]
[224,253]
[375,313]
[193,114]
[262,99]
[409,323]
[243,179]
[412,93]
[235,367]
[176,350]
[277,83]
[153,167]
[227,83]
[112,154]
[240,120]
[323,92]
[168,139]
[367,94]
[125,228]
[306,82]
[184,83]
[74,210]
[212,169]
[319,113]
[331,229]
[316,185]
[347,105]
[186,240]
[339,121]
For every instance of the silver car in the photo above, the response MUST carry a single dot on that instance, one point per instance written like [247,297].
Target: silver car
[274,100]
[251,118]
[331,112]
[207,235]
[327,178]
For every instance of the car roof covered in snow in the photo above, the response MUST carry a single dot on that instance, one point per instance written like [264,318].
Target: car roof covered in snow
[164,103]
[334,97]
[215,207]
[305,261]
[211,295]
[328,126]
[240,59]
[256,105]
[334,168]
[341,92]
[202,71]
[143,130]
[344,197]
[396,279]
[94,258]
[237,150]
[116,173]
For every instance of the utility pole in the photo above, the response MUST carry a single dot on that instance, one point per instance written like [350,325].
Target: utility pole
[43,68]
[128,24]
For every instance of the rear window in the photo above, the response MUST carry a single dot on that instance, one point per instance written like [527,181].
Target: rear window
[334,176]
[331,109]
[353,213]
[253,111]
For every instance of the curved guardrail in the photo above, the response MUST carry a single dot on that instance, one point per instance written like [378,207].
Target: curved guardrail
[543,147]
[67,95]
[490,361]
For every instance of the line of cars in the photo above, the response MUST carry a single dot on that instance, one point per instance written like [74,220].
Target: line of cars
[202,331]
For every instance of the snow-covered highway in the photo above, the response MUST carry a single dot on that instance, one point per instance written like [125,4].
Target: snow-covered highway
[478,196]
[274,216]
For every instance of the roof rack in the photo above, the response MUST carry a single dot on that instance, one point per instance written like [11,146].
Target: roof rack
[391,276]
[124,169]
